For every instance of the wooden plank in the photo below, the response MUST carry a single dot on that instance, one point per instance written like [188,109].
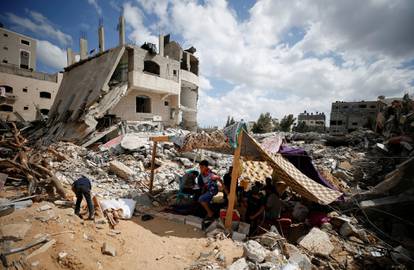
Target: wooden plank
[154,153]
[160,139]
[234,176]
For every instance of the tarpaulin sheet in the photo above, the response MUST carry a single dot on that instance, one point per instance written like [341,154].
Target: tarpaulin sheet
[294,178]
[303,162]
[251,150]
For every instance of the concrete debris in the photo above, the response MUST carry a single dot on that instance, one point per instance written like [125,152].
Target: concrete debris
[254,251]
[270,239]
[240,264]
[108,249]
[120,169]
[14,232]
[236,236]
[295,256]
[317,242]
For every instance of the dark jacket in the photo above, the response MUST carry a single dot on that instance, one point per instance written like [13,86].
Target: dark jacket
[84,182]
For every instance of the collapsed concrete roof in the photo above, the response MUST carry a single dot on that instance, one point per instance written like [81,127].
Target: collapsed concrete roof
[84,96]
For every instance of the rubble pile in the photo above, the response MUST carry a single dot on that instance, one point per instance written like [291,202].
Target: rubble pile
[118,174]
[22,165]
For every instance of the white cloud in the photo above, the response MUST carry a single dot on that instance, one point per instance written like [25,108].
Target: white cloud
[205,84]
[270,75]
[134,19]
[51,55]
[95,4]
[39,25]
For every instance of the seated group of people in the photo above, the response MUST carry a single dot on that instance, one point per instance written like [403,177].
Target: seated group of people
[259,203]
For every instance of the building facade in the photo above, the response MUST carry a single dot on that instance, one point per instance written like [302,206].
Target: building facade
[162,87]
[315,122]
[17,50]
[128,83]
[25,94]
[349,116]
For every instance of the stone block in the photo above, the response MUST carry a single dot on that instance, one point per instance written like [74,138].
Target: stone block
[236,236]
[317,242]
[194,221]
[254,251]
[108,249]
[240,264]
[244,228]
[120,169]
[15,231]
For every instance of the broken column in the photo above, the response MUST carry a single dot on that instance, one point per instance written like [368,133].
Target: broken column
[101,36]
[161,45]
[83,45]
[69,55]
[121,29]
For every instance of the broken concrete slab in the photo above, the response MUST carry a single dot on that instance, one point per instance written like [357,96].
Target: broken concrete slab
[236,236]
[295,256]
[15,231]
[240,264]
[133,141]
[120,169]
[254,251]
[194,221]
[244,228]
[317,242]
[108,249]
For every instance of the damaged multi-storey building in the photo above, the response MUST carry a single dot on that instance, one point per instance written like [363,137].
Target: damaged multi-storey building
[349,116]
[315,122]
[25,94]
[126,83]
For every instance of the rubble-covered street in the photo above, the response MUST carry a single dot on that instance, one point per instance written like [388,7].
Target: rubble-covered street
[364,229]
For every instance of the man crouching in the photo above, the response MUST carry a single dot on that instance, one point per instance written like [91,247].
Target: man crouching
[82,188]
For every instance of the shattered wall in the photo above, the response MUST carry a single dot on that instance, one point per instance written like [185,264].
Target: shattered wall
[83,84]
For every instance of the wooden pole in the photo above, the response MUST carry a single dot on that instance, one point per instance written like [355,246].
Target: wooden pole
[154,153]
[234,176]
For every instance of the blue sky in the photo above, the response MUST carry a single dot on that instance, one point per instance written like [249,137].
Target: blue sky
[280,56]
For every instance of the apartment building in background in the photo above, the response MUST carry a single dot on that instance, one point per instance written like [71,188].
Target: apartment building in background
[25,94]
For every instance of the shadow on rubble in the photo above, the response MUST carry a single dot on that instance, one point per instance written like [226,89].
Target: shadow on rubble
[164,228]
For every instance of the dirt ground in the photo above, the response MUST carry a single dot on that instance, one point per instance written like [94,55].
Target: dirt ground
[153,244]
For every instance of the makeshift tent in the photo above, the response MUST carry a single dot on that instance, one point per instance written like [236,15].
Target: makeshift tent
[235,140]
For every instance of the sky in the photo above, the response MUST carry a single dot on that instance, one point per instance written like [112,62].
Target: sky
[277,56]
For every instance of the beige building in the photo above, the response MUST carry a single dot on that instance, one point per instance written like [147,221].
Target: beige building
[17,50]
[127,83]
[25,95]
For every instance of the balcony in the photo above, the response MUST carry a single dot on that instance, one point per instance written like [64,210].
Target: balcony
[153,83]
[189,77]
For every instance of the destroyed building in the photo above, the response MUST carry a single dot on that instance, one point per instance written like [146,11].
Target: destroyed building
[25,94]
[126,83]
[350,116]
[315,122]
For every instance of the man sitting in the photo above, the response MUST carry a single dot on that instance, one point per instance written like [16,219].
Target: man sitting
[207,181]
[255,208]
[188,182]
